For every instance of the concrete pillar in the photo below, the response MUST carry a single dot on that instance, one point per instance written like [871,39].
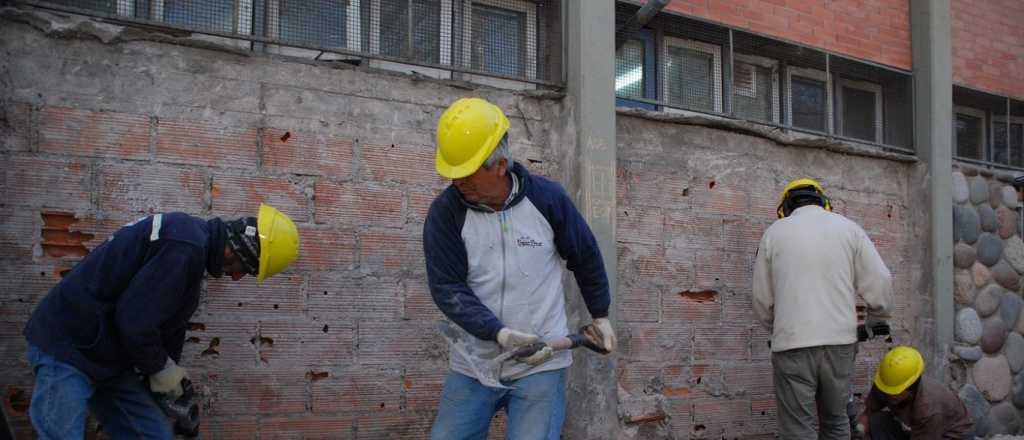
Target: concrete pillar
[591,410]
[933,115]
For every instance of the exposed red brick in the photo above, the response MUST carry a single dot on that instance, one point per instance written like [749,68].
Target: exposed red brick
[640,225]
[728,269]
[238,196]
[354,298]
[45,183]
[697,381]
[680,416]
[301,152]
[763,416]
[423,387]
[639,378]
[667,342]
[57,238]
[280,294]
[151,189]
[750,379]
[358,389]
[391,250]
[656,186]
[326,249]
[691,306]
[413,164]
[308,427]
[725,342]
[691,231]
[417,303]
[419,204]
[300,342]
[403,425]
[87,133]
[743,236]
[22,286]
[350,204]
[203,143]
[720,200]
[228,427]
[233,349]
[400,343]
[986,43]
[721,417]
[638,303]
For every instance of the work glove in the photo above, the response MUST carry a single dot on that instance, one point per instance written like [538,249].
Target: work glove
[870,321]
[509,339]
[600,332]
[539,357]
[168,380]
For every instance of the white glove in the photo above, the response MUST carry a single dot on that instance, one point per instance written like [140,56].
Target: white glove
[509,339]
[606,334]
[168,380]
[540,356]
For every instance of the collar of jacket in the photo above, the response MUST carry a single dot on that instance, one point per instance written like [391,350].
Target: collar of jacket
[802,210]
[520,175]
[218,238]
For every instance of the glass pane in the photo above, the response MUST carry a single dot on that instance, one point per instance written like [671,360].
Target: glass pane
[629,69]
[809,103]
[859,115]
[690,78]
[1017,145]
[318,24]
[210,15]
[498,40]
[108,6]
[752,92]
[1000,150]
[968,136]
[413,34]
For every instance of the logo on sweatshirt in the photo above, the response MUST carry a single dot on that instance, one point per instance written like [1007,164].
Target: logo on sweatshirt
[526,241]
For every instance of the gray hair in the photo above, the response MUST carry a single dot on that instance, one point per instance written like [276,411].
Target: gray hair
[502,151]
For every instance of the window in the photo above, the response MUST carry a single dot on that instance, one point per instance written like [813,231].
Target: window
[501,37]
[809,99]
[755,88]
[859,110]
[634,72]
[1011,153]
[969,128]
[329,23]
[412,29]
[692,74]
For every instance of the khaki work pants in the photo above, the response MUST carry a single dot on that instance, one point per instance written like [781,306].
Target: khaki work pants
[810,375]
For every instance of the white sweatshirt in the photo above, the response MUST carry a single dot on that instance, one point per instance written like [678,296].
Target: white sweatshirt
[809,266]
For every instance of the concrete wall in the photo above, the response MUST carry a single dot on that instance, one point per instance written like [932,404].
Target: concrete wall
[988,43]
[96,134]
[989,259]
[875,30]
[693,203]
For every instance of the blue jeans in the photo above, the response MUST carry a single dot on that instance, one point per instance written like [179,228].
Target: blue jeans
[62,392]
[535,406]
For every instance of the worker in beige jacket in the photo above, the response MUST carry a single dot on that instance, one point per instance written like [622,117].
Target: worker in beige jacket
[810,265]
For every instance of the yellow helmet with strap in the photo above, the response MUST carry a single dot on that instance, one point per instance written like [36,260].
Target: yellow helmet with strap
[900,368]
[279,242]
[801,187]
[467,133]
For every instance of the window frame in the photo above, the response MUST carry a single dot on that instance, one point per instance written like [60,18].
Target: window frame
[529,55]
[709,48]
[650,82]
[353,30]
[242,22]
[976,113]
[1010,122]
[767,63]
[444,32]
[813,74]
[866,86]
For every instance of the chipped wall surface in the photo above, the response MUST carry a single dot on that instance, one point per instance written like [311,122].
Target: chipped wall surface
[99,126]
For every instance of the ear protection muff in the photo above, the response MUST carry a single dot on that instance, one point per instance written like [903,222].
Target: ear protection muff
[788,204]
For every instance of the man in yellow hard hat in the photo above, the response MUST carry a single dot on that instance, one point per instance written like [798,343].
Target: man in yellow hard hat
[123,311]
[903,404]
[811,265]
[494,243]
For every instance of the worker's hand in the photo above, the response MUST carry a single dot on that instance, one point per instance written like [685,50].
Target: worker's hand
[509,339]
[168,380]
[870,321]
[862,426]
[540,356]
[602,334]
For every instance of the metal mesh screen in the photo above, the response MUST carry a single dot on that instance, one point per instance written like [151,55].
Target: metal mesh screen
[711,68]
[979,126]
[514,39]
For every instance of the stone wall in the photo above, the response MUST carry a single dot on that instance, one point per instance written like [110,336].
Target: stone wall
[989,260]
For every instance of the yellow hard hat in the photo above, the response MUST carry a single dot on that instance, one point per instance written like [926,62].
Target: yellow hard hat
[900,368]
[279,241]
[467,133]
[802,184]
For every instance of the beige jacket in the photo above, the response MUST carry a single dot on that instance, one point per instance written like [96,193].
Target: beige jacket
[809,266]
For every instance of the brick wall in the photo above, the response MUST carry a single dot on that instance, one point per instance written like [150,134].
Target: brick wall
[343,345]
[988,45]
[693,203]
[875,30]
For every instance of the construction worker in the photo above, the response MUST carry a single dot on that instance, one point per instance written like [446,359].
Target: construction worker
[810,266]
[903,404]
[123,311]
[494,242]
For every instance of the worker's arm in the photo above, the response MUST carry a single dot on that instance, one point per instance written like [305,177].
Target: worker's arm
[576,244]
[447,272]
[872,279]
[155,294]
[764,296]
